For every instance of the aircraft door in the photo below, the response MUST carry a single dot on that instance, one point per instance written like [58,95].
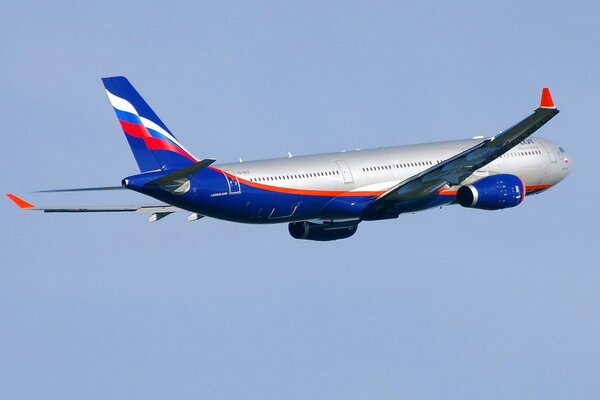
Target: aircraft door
[233,184]
[551,152]
[345,170]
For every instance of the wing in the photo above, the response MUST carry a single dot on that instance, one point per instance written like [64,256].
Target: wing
[157,211]
[459,167]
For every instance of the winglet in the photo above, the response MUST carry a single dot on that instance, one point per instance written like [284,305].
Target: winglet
[19,201]
[546,100]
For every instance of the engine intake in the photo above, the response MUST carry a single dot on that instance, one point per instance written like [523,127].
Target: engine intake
[322,232]
[492,193]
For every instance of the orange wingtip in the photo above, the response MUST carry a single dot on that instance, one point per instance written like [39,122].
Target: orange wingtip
[19,201]
[546,100]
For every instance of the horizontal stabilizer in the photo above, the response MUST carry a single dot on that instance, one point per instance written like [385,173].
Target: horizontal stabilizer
[183,173]
[91,209]
[151,209]
[87,189]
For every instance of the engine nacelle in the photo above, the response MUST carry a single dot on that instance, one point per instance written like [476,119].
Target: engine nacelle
[322,232]
[492,193]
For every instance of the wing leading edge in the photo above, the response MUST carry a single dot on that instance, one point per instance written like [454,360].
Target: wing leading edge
[459,167]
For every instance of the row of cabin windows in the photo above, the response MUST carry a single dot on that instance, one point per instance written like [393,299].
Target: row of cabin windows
[521,153]
[376,168]
[400,165]
[294,176]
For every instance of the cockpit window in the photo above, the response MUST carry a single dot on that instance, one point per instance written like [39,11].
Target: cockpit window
[561,149]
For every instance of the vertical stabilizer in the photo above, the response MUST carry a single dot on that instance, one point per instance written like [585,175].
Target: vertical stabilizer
[152,143]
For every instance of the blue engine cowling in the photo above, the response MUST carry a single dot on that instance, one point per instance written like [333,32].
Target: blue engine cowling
[322,232]
[492,193]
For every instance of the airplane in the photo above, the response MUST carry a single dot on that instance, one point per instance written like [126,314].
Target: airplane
[325,197]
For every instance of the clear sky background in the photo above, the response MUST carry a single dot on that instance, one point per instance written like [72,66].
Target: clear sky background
[451,303]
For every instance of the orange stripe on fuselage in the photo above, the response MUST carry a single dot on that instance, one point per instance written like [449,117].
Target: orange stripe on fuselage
[307,192]
[538,187]
[337,193]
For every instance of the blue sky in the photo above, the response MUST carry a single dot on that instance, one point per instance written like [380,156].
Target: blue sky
[450,303]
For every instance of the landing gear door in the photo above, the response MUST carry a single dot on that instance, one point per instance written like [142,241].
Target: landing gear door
[233,184]
[345,170]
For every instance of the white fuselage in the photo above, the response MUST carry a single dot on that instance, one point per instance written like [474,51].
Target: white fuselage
[538,162]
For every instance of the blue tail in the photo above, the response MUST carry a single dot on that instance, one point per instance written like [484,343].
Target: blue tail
[153,145]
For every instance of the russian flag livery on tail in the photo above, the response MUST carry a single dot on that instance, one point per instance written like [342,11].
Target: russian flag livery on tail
[152,143]
[325,197]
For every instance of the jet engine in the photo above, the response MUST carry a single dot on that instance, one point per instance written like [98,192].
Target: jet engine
[322,232]
[492,193]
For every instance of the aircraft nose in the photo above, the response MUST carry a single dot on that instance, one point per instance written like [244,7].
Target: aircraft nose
[567,162]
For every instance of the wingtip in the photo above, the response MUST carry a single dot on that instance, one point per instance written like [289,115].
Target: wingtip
[546,99]
[19,201]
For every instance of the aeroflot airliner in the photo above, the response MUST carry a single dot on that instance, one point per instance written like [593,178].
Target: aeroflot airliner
[325,197]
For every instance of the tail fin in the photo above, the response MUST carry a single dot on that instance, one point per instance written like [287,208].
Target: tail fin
[153,145]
